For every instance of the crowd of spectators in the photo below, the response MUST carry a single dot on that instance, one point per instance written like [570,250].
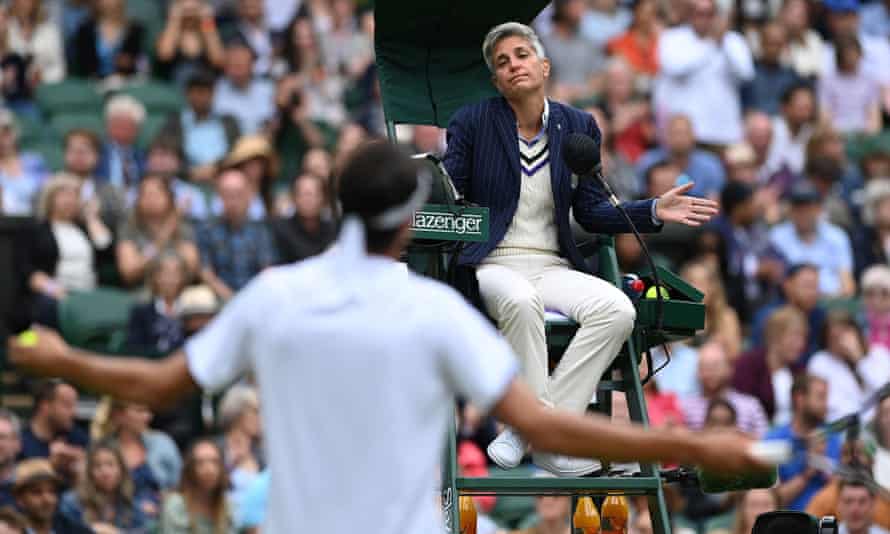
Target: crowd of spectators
[778,109]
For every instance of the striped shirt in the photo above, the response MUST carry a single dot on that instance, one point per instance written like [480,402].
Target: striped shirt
[750,417]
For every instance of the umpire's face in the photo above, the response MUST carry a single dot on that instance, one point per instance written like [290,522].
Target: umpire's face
[518,70]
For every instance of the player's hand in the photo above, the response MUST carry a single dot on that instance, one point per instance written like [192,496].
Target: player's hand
[41,357]
[676,206]
[726,451]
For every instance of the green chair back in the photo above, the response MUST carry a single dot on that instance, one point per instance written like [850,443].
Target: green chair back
[64,122]
[93,319]
[158,98]
[70,95]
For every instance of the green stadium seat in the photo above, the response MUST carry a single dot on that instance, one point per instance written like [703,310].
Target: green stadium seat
[31,131]
[150,128]
[65,122]
[70,95]
[152,16]
[158,98]
[93,319]
[52,152]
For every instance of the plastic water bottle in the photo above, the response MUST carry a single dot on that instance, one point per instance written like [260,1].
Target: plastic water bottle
[587,517]
[615,515]
[467,509]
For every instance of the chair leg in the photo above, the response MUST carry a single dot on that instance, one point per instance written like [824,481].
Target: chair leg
[449,478]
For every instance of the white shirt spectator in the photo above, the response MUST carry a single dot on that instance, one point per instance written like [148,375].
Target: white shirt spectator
[874,529]
[786,149]
[845,395]
[700,78]
[849,100]
[875,58]
[280,13]
[44,46]
[806,56]
[354,350]
[251,107]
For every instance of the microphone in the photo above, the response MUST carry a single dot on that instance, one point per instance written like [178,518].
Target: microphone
[581,154]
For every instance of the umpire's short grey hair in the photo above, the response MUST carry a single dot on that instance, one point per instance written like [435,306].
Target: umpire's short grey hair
[509,29]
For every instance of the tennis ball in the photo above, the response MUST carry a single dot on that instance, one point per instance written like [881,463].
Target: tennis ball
[28,338]
[651,294]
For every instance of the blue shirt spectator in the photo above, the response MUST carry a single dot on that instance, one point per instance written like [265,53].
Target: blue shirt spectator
[771,77]
[875,19]
[798,463]
[253,503]
[828,247]
[702,167]
[234,248]
[249,99]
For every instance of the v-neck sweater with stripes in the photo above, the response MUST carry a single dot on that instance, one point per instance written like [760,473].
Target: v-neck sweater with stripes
[533,228]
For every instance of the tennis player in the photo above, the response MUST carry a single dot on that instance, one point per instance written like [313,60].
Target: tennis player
[358,362]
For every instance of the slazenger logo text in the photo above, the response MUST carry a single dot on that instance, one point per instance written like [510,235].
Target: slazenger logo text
[438,222]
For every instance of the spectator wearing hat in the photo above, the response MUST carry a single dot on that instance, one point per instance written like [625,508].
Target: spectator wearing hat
[155,327]
[21,174]
[772,78]
[678,148]
[10,446]
[844,25]
[36,491]
[753,266]
[240,93]
[872,237]
[854,368]
[107,43]
[850,95]
[876,303]
[808,238]
[122,162]
[189,42]
[233,247]
[203,135]
[767,372]
[254,156]
[702,67]
[792,129]
[307,232]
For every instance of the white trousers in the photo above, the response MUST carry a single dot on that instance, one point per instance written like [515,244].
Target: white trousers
[516,291]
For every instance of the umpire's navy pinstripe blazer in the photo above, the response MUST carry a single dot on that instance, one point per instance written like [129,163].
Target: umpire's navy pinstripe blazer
[483,161]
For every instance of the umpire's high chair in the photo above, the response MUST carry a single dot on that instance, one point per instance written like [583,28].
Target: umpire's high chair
[440,227]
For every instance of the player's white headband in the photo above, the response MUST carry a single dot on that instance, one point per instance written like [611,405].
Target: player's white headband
[394,216]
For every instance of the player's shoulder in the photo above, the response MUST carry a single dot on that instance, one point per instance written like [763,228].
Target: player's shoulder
[304,274]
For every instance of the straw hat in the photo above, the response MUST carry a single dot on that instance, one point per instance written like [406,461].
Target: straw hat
[198,300]
[877,190]
[250,147]
[31,471]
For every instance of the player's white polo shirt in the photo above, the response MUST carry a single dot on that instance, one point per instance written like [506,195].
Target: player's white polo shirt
[357,371]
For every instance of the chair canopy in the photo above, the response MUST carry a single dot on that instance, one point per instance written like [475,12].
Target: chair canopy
[429,54]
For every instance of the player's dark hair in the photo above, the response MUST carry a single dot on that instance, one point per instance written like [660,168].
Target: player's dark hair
[378,175]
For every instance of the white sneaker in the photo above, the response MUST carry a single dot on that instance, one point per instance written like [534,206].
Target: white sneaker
[507,449]
[566,466]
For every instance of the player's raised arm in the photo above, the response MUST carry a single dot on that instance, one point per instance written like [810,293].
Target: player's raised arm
[157,383]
